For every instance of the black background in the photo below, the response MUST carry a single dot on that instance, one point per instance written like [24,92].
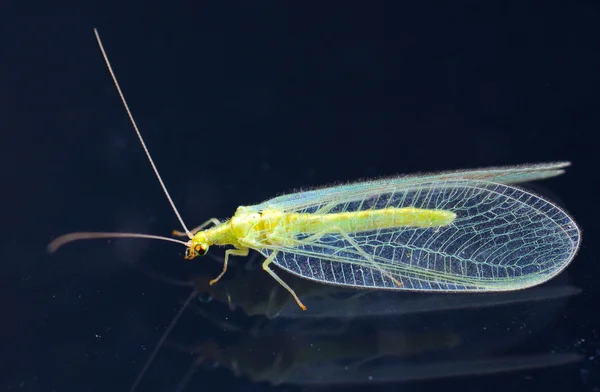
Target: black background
[240,101]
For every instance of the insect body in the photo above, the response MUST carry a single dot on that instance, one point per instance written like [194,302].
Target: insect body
[274,228]
[455,231]
[459,231]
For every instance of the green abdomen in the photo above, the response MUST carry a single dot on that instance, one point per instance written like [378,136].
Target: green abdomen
[352,222]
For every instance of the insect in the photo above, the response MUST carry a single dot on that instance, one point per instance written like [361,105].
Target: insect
[461,231]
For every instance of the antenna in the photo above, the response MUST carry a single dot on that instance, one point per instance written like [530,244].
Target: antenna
[66,238]
[135,127]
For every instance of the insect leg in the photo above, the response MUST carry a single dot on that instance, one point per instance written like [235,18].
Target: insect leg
[265,267]
[230,252]
[369,259]
[366,256]
[214,221]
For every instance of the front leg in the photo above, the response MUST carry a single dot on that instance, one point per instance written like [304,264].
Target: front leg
[230,252]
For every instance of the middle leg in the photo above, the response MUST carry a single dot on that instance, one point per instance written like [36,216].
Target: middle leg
[265,267]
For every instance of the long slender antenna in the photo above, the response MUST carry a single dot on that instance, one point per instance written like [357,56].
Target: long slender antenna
[139,134]
[65,239]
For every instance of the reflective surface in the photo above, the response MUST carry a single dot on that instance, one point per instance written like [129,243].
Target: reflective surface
[238,103]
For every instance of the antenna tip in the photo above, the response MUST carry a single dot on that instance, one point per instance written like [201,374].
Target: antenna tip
[52,246]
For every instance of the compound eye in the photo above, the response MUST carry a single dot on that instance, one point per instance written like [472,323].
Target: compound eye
[200,250]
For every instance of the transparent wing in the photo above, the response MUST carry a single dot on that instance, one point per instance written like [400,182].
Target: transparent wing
[506,175]
[503,238]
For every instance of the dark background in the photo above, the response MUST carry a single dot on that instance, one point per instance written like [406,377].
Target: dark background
[240,101]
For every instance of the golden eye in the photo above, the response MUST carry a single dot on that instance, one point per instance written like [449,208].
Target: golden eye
[200,250]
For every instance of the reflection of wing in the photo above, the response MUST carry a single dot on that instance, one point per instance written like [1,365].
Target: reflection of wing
[503,238]
[505,175]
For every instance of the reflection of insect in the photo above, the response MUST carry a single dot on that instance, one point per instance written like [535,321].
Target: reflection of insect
[455,231]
